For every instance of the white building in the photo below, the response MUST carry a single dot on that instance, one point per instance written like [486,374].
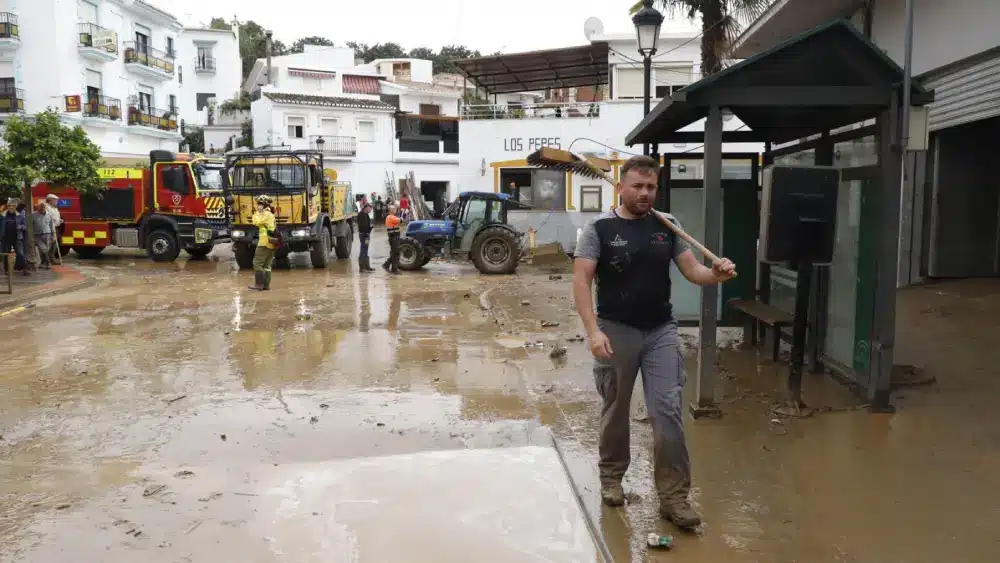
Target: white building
[380,122]
[950,216]
[111,66]
[209,71]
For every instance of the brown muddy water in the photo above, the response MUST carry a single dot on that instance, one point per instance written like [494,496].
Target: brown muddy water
[109,396]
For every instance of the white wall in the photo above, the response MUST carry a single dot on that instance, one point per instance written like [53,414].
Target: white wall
[421,70]
[225,83]
[411,100]
[943,32]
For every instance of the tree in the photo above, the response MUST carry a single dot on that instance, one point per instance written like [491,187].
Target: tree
[422,53]
[448,53]
[253,45]
[299,45]
[194,139]
[722,21]
[235,105]
[377,51]
[219,23]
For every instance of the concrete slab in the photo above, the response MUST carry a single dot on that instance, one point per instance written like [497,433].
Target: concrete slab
[486,505]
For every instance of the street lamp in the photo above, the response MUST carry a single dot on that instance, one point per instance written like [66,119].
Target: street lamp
[647,30]
[320,143]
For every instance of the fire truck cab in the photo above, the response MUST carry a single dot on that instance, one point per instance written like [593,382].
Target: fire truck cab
[163,209]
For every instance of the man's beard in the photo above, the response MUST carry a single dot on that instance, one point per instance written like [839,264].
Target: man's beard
[633,208]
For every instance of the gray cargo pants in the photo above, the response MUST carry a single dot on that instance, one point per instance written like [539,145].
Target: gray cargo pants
[657,353]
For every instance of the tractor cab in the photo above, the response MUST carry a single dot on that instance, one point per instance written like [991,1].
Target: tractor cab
[475,210]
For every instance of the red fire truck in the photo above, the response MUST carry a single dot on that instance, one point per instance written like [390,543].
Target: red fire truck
[173,205]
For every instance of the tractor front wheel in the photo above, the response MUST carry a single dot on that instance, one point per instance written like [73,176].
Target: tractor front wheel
[411,254]
[495,250]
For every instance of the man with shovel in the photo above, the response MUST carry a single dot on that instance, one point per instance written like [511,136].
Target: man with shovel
[628,250]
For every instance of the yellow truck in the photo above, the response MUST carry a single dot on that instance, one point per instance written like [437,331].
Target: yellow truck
[313,213]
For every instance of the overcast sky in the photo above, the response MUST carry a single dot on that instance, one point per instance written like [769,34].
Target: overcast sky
[508,26]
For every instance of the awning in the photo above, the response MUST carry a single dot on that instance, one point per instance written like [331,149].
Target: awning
[826,78]
[357,84]
[538,70]
[310,73]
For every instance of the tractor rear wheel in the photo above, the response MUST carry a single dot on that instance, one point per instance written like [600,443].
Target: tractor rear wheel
[244,255]
[320,251]
[495,250]
[411,254]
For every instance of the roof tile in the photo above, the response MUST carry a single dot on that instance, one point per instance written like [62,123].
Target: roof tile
[328,101]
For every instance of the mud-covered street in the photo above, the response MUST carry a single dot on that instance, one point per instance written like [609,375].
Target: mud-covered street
[144,417]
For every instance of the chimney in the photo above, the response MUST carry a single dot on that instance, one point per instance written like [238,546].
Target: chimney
[267,45]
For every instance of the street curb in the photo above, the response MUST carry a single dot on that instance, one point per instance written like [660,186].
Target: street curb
[82,283]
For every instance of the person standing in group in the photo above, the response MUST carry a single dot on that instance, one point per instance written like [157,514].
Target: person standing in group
[364,237]
[379,208]
[404,208]
[13,230]
[41,224]
[52,209]
[263,256]
[391,264]
[629,252]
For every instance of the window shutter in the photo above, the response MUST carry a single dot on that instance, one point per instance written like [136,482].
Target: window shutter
[629,82]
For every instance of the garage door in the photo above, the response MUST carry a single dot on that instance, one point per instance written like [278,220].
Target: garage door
[968,93]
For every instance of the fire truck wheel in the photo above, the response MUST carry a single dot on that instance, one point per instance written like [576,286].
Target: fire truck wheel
[88,251]
[162,246]
[344,244]
[244,255]
[320,251]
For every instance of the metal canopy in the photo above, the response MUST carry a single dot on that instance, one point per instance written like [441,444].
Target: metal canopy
[538,70]
[828,77]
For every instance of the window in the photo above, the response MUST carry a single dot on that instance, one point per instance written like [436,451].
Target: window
[669,79]
[172,100]
[94,85]
[590,198]
[86,12]
[175,178]
[205,57]
[430,109]
[270,176]
[296,127]
[145,98]
[546,192]
[629,83]
[202,101]
[329,126]
[366,131]
[170,46]
[180,74]
[142,35]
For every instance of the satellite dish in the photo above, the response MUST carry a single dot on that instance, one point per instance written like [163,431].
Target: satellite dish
[592,27]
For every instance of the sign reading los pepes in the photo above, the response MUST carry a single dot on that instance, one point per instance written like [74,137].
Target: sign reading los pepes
[530,144]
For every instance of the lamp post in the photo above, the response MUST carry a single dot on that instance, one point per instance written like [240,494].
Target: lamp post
[320,143]
[647,29]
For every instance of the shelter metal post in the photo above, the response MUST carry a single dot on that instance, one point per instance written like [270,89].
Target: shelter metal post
[883,337]
[821,276]
[712,207]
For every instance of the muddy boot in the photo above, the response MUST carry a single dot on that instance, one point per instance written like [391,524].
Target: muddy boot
[385,265]
[368,264]
[266,278]
[258,281]
[612,494]
[361,265]
[681,513]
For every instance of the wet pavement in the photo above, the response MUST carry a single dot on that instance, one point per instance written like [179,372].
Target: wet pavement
[148,413]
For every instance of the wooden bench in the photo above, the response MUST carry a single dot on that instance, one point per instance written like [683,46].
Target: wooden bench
[758,313]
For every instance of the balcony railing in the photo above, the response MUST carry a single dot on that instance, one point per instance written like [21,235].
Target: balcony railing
[104,107]
[554,110]
[205,64]
[165,120]
[148,56]
[106,38]
[335,145]
[8,26]
[11,100]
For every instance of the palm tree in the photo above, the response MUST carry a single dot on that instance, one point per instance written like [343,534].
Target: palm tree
[722,21]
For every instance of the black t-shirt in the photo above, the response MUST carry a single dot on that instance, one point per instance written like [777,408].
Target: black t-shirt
[364,223]
[633,267]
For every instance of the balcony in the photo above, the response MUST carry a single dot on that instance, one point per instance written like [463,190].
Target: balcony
[103,110]
[149,62]
[553,110]
[96,43]
[153,121]
[11,100]
[10,33]
[424,138]
[335,145]
[205,65]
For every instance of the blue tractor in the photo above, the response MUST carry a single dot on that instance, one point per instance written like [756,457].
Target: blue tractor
[475,227]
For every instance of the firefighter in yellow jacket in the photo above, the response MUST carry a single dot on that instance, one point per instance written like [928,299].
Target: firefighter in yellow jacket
[263,256]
